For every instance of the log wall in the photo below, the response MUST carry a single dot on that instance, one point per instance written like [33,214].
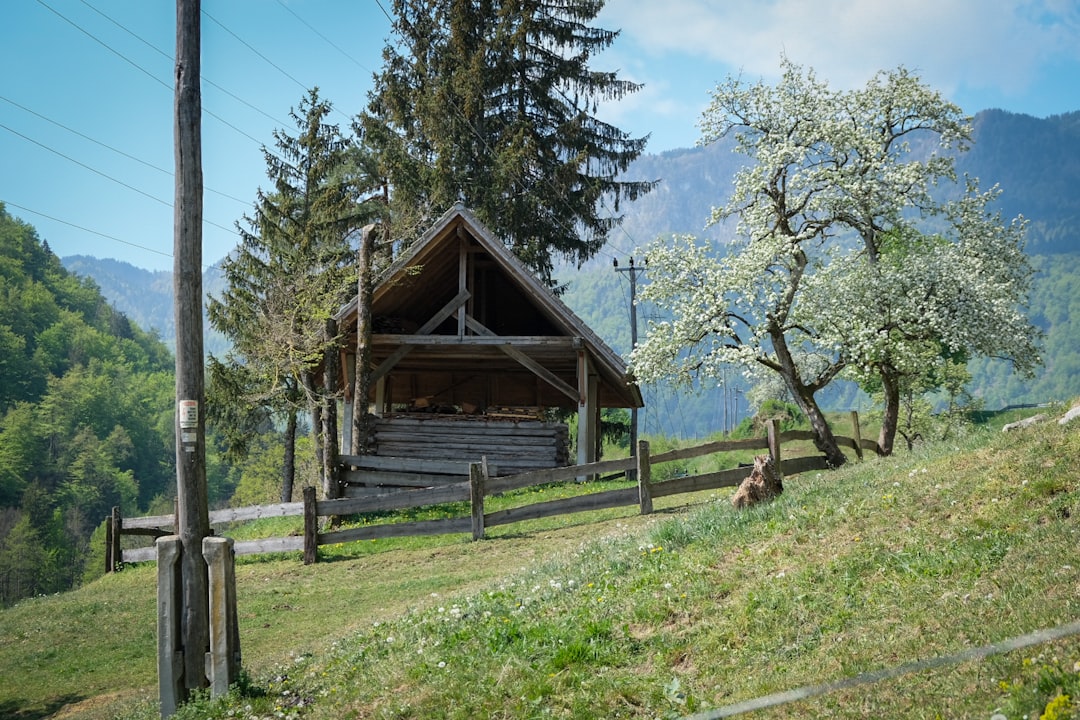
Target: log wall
[509,444]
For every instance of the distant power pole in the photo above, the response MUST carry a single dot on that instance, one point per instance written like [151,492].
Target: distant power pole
[632,273]
[192,522]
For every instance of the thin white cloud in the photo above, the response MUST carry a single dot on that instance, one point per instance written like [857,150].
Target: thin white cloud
[951,43]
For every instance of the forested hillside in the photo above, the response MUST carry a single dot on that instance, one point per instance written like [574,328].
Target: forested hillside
[146,296]
[1035,161]
[86,404]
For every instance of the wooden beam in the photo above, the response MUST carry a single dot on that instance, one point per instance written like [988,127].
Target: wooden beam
[536,368]
[527,341]
[447,310]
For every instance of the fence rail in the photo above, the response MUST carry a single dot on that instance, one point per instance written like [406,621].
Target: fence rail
[448,482]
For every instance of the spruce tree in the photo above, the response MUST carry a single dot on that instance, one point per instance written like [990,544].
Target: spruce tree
[293,268]
[493,103]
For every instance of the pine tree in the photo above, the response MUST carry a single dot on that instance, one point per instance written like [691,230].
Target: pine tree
[493,103]
[293,268]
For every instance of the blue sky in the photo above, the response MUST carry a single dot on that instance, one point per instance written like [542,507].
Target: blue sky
[86,147]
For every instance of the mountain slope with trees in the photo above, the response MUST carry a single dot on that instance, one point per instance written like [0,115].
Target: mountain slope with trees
[1034,160]
[86,404]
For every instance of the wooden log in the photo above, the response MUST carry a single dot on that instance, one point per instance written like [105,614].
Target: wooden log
[444,526]
[311,527]
[291,543]
[406,464]
[560,474]
[256,512]
[593,501]
[113,530]
[477,478]
[393,479]
[857,432]
[696,483]
[774,446]
[805,464]
[709,449]
[644,473]
[395,500]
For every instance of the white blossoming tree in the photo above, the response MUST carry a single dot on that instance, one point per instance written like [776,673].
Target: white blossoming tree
[830,271]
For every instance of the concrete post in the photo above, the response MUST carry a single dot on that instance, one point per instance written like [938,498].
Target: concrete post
[169,603]
[223,660]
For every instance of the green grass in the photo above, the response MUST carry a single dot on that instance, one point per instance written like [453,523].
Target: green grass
[615,615]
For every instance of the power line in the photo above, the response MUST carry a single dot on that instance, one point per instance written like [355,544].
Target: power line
[84,165]
[169,57]
[96,232]
[327,40]
[109,147]
[166,203]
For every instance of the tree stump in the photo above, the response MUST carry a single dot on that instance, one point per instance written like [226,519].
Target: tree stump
[762,484]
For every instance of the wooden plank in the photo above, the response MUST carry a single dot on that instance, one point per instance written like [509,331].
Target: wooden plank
[369,478]
[443,526]
[406,464]
[525,341]
[804,464]
[695,483]
[256,512]
[506,483]
[164,522]
[709,449]
[292,543]
[592,501]
[436,422]
[395,500]
[466,439]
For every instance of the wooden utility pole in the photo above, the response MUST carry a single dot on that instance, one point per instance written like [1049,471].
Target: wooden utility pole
[193,522]
[632,273]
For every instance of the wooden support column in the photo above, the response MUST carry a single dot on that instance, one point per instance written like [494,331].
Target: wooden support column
[588,390]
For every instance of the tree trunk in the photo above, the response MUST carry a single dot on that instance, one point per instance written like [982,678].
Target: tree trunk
[890,388]
[360,418]
[824,440]
[331,370]
[288,470]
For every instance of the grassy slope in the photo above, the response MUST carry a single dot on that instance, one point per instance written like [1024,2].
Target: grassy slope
[867,567]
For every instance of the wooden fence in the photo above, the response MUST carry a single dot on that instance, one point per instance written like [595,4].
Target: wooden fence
[380,484]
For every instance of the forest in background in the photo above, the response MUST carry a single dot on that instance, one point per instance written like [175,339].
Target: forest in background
[86,422]
[1036,161]
[87,391]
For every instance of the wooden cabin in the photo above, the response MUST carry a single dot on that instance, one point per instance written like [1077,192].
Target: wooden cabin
[469,352]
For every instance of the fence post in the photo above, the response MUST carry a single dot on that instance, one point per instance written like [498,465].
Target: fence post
[112,540]
[857,434]
[644,477]
[170,658]
[311,527]
[223,660]
[477,483]
[774,445]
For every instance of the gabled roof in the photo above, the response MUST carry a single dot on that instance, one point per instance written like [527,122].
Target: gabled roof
[506,306]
